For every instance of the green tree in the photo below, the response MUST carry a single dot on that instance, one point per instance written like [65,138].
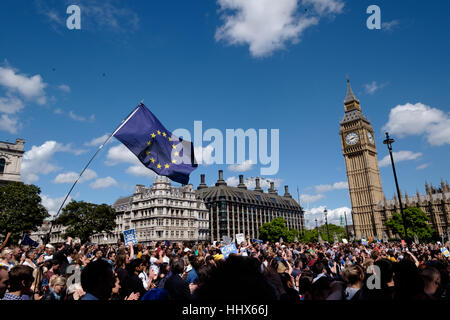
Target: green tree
[416,223]
[313,235]
[20,209]
[274,230]
[84,219]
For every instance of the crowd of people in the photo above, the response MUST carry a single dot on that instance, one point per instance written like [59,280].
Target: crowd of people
[200,272]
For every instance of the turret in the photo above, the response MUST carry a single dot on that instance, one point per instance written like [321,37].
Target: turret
[221,182]
[258,187]
[241,184]
[202,184]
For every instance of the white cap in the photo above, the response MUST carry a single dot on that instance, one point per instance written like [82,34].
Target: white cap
[187,249]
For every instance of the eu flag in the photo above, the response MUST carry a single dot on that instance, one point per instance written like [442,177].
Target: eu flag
[156,147]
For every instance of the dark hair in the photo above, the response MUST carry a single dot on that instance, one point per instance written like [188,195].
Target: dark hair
[386,270]
[121,259]
[131,267]
[18,274]
[236,278]
[177,265]
[97,278]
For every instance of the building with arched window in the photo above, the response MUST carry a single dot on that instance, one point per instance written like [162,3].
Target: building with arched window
[10,160]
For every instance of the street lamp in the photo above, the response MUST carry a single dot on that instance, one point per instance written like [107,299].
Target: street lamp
[316,224]
[346,225]
[325,212]
[389,142]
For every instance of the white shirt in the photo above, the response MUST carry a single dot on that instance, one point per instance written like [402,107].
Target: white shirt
[144,277]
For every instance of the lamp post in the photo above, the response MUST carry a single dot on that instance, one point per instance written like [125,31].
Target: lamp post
[346,226]
[389,142]
[325,212]
[317,228]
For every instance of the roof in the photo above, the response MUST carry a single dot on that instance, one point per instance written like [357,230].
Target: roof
[353,115]
[350,97]
[423,197]
[123,201]
[245,196]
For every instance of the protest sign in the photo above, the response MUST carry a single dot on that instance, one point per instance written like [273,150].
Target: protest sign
[231,248]
[129,236]
[240,238]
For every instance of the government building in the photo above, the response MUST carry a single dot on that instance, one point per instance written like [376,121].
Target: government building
[10,160]
[235,210]
[370,209]
[162,212]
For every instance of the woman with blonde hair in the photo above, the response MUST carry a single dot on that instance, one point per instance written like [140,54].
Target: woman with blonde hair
[57,286]
[353,276]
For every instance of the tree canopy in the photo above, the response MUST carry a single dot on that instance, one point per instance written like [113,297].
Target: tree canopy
[274,230]
[84,219]
[416,223]
[20,209]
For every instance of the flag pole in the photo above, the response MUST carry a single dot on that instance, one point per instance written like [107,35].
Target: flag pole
[47,239]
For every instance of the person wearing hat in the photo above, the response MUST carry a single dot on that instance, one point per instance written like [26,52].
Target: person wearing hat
[49,250]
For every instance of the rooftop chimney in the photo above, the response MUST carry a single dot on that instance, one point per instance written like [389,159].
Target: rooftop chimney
[286,192]
[272,188]
[221,182]
[202,184]
[241,182]
[258,187]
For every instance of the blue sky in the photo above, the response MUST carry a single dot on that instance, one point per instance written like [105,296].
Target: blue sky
[61,89]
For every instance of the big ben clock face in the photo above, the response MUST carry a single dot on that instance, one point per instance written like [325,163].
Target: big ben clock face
[352,138]
[370,137]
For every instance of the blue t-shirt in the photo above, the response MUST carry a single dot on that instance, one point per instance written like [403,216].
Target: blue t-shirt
[192,275]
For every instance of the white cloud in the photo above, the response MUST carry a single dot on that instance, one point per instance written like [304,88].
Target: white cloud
[76,117]
[372,87]
[328,187]
[204,155]
[311,198]
[71,177]
[232,181]
[140,170]
[52,204]
[98,141]
[37,161]
[10,105]
[265,25]
[8,124]
[389,25]
[64,88]
[399,157]
[423,166]
[325,7]
[58,111]
[263,182]
[420,119]
[29,87]
[103,183]
[334,216]
[242,167]
[121,154]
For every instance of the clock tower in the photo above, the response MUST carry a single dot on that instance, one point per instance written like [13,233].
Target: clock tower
[360,154]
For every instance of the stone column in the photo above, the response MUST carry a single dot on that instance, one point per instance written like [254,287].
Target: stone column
[217,221]
[228,219]
[248,222]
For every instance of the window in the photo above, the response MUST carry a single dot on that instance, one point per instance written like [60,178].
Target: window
[2,165]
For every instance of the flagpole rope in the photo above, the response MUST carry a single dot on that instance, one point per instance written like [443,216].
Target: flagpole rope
[47,240]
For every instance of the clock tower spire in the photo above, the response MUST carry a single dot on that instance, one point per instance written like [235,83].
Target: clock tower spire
[360,154]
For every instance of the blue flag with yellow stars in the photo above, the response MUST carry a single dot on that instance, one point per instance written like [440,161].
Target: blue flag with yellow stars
[156,147]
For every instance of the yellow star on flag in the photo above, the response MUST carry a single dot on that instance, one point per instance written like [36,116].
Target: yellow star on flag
[173,146]
[147,152]
[166,166]
[149,143]
[153,135]
[170,139]
[158,166]
[159,132]
[174,161]
[164,134]
[152,160]
[177,153]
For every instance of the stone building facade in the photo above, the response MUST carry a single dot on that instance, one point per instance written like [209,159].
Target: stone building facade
[11,160]
[162,212]
[435,203]
[235,210]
